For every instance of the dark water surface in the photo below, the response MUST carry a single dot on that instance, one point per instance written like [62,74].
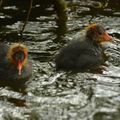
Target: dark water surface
[55,95]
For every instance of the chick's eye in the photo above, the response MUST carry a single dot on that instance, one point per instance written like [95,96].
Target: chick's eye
[100,32]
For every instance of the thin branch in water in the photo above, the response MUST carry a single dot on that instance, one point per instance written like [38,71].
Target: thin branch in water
[27,17]
[1,1]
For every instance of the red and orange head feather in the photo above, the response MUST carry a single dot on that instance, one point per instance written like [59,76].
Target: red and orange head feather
[17,47]
[91,26]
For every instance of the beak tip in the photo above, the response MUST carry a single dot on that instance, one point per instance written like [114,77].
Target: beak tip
[107,37]
[19,67]
[19,73]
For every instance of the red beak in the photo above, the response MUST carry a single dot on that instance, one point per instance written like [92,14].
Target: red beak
[19,67]
[106,37]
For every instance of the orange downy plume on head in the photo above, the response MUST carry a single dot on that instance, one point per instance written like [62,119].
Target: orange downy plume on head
[91,26]
[102,38]
[16,48]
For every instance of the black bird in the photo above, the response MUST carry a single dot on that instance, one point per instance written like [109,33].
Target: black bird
[15,68]
[85,53]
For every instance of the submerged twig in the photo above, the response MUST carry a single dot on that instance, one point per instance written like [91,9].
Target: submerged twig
[27,17]
[53,78]
[1,1]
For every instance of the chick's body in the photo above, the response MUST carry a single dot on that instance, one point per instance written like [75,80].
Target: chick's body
[84,52]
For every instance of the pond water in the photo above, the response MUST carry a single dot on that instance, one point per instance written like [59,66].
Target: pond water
[52,95]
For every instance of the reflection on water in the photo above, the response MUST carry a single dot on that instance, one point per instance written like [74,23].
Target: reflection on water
[55,95]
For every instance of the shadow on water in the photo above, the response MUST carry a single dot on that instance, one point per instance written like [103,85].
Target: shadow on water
[52,95]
